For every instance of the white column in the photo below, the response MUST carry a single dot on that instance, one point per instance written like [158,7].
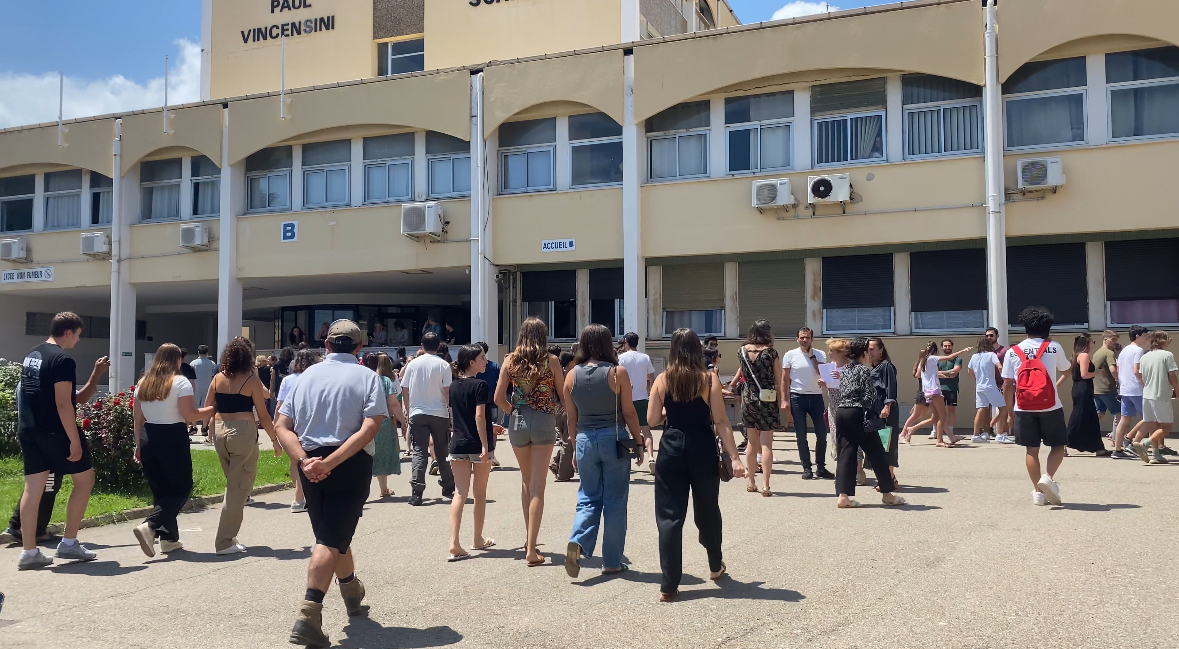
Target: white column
[86,203]
[1095,279]
[630,21]
[633,263]
[484,292]
[356,173]
[895,118]
[901,296]
[185,188]
[122,327]
[296,178]
[38,202]
[732,315]
[814,294]
[1098,115]
[718,147]
[583,299]
[421,169]
[563,162]
[996,193]
[655,300]
[802,129]
[229,287]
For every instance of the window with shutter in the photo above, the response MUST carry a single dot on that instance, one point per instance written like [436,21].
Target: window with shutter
[1133,298]
[606,293]
[1051,276]
[774,291]
[694,297]
[552,297]
[858,294]
[948,290]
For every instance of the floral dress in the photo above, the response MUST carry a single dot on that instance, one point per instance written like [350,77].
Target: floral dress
[755,413]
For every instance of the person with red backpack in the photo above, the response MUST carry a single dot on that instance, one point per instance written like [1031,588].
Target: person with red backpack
[1029,373]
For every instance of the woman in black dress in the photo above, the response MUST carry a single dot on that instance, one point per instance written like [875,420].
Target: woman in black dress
[884,379]
[762,369]
[1084,425]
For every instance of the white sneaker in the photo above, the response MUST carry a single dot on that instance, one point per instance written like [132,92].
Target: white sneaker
[933,436]
[979,439]
[1050,489]
[1039,499]
[1004,439]
[298,507]
[236,548]
[147,539]
[169,546]
[74,552]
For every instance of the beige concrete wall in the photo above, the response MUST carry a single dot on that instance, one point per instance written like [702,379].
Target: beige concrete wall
[156,256]
[60,250]
[197,128]
[593,79]
[458,34]
[14,344]
[90,145]
[592,217]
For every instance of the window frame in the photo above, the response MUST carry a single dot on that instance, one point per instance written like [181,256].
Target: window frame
[95,215]
[196,180]
[1083,91]
[883,159]
[69,192]
[551,316]
[676,135]
[891,330]
[1118,325]
[22,197]
[759,125]
[941,106]
[664,333]
[1131,85]
[916,330]
[162,183]
[531,148]
[390,55]
[573,184]
[266,175]
[450,158]
[346,167]
[386,163]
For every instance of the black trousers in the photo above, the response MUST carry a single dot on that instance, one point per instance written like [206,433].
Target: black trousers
[686,461]
[851,436]
[52,486]
[167,465]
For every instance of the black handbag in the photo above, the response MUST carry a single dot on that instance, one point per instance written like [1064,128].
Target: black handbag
[724,463]
[627,448]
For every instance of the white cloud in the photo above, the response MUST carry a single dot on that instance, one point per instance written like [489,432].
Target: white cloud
[32,99]
[800,8]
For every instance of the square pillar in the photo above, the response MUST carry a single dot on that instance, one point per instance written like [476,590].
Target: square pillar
[563,156]
[356,174]
[902,299]
[1098,118]
[814,294]
[895,119]
[1095,281]
[296,178]
[633,262]
[38,202]
[717,146]
[421,170]
[802,130]
[732,316]
[229,287]
[583,299]
[655,301]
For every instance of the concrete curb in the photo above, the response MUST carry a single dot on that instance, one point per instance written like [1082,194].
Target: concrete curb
[142,512]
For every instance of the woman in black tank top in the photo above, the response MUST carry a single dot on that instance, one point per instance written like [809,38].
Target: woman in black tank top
[689,400]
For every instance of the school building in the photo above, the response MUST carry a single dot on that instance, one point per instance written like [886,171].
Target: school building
[915,170]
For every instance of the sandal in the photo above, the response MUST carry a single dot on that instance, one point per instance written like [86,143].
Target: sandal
[714,576]
[766,493]
[668,598]
[451,558]
[536,562]
[487,543]
[751,488]
[896,501]
[851,504]
[616,571]
[387,493]
[573,559]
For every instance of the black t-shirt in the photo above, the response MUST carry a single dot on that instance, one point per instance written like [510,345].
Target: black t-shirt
[465,396]
[264,376]
[44,367]
[187,372]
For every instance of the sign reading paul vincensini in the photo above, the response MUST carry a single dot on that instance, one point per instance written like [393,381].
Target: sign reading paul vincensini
[300,27]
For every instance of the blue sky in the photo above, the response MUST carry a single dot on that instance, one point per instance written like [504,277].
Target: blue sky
[752,11]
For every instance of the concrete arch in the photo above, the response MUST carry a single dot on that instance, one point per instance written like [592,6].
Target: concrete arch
[595,80]
[197,128]
[90,145]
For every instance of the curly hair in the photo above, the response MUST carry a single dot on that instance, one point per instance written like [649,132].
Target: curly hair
[238,357]
[530,360]
[1037,321]
[303,360]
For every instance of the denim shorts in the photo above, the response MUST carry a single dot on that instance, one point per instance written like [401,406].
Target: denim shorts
[1107,402]
[527,427]
[464,457]
[1131,406]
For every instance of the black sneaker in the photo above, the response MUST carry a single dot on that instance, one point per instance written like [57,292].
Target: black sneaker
[434,467]
[415,501]
[1167,451]
[824,474]
[807,475]
[1119,454]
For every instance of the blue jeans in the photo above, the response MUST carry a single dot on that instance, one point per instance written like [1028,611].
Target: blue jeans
[602,495]
[802,405]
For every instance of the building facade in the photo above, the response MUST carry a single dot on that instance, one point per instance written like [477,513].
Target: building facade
[603,161]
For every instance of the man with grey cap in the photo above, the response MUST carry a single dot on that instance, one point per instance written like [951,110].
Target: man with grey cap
[328,425]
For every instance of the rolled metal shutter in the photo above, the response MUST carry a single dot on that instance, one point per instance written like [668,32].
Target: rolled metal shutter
[1147,269]
[948,280]
[549,286]
[773,291]
[694,287]
[857,282]
[1051,276]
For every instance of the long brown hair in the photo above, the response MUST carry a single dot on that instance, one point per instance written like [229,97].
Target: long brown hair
[385,366]
[929,350]
[303,360]
[1080,346]
[686,377]
[595,343]
[530,360]
[156,383]
[760,334]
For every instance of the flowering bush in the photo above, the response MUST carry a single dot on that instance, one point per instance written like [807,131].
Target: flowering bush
[109,426]
[9,377]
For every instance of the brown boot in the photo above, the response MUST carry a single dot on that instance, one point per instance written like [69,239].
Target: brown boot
[308,630]
[353,593]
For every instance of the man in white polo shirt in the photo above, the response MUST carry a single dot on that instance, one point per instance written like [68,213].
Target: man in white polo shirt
[1130,389]
[328,425]
[642,375]
[801,367]
[425,391]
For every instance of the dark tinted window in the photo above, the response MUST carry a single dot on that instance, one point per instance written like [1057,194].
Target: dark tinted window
[1047,75]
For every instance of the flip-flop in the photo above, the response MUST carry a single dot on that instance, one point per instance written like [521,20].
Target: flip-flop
[895,503]
[539,562]
[573,559]
[488,543]
[451,558]
[715,576]
[617,571]
[852,504]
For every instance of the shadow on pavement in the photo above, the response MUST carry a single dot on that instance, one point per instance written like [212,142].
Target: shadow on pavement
[258,504]
[803,495]
[366,633]
[1096,507]
[96,568]
[729,588]
[915,489]
[633,576]
[253,551]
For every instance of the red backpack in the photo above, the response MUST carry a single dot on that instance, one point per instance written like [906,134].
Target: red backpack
[1034,389]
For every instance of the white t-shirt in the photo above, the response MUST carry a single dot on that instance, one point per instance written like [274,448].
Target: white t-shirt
[930,383]
[638,366]
[1128,384]
[1055,360]
[288,386]
[168,410]
[424,377]
[983,365]
[804,378]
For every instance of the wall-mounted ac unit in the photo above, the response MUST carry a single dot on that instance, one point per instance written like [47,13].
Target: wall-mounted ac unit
[1041,173]
[832,188]
[13,250]
[773,193]
[194,236]
[95,244]
[422,220]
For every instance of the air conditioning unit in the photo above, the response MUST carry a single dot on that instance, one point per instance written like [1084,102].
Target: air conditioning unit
[834,188]
[773,193]
[1041,173]
[194,236]
[96,244]
[422,220]
[13,250]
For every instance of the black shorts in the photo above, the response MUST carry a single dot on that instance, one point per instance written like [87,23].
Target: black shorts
[1035,428]
[51,453]
[950,397]
[335,504]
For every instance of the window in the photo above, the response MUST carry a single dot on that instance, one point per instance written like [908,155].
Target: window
[526,155]
[934,308]
[1052,276]
[694,297]
[325,173]
[1143,92]
[772,290]
[388,168]
[101,199]
[1138,293]
[596,145]
[39,324]
[63,199]
[678,142]
[159,183]
[858,294]
[942,116]
[552,297]
[268,180]
[1045,103]
[16,203]
[206,187]
[449,160]
[759,132]
[849,121]
[399,57]
[606,295]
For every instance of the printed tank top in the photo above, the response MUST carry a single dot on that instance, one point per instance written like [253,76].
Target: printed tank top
[541,397]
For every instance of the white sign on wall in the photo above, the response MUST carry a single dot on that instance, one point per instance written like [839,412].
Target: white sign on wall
[22,275]
[290,231]
[558,245]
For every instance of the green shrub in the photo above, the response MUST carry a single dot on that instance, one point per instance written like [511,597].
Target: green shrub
[9,377]
[109,426]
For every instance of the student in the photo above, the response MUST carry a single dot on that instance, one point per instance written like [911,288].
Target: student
[1160,382]
[469,447]
[884,379]
[948,370]
[44,514]
[490,376]
[425,390]
[164,404]
[303,360]
[1039,416]
[987,394]
[1084,426]
[1130,388]
[204,368]
[386,456]
[760,404]
[992,336]
[696,420]
[800,371]
[926,369]
[327,423]
[50,442]
[642,372]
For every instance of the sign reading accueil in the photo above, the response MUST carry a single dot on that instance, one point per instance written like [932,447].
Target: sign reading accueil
[22,275]
[290,231]
[558,245]
[288,29]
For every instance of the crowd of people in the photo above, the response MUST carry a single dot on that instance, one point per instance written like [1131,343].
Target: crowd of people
[337,418]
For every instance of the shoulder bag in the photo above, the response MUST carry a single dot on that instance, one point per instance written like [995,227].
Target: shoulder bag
[763,395]
[628,448]
[725,461]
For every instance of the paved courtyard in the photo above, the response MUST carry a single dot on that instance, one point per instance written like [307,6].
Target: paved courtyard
[970,563]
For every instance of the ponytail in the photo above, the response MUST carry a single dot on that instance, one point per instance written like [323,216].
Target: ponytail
[929,350]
